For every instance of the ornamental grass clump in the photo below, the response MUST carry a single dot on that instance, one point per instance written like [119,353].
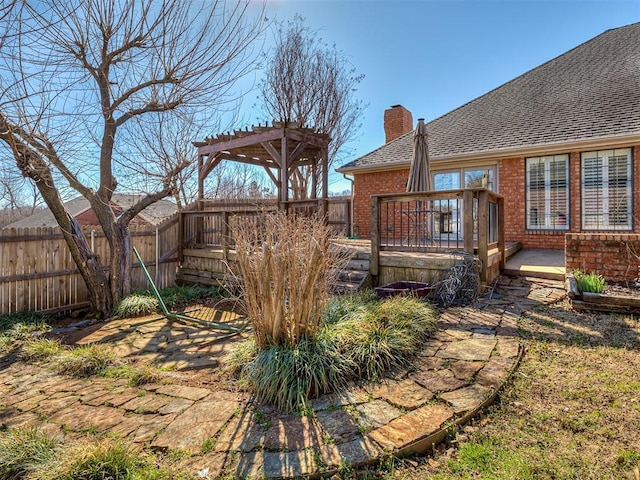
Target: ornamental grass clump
[359,338]
[286,263]
[589,282]
[24,450]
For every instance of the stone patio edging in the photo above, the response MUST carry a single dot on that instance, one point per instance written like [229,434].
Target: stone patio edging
[423,445]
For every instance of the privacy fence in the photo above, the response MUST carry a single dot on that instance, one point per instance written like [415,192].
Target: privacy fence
[37,272]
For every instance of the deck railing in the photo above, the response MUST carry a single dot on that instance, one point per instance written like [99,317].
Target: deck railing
[212,226]
[470,220]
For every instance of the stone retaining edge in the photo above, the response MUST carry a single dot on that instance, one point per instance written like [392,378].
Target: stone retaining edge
[423,445]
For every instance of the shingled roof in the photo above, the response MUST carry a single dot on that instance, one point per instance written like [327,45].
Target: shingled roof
[590,92]
[154,214]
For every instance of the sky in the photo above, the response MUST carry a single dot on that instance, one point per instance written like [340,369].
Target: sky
[433,56]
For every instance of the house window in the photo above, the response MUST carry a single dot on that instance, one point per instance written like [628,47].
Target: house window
[606,190]
[547,192]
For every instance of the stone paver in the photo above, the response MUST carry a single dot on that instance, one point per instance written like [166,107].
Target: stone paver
[359,451]
[339,425]
[465,399]
[376,413]
[473,349]
[469,358]
[291,432]
[196,424]
[437,381]
[405,394]
[411,427]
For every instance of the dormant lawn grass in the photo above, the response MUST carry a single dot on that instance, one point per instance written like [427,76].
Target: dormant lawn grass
[572,410]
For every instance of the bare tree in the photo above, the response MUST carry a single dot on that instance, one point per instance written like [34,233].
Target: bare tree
[74,75]
[310,82]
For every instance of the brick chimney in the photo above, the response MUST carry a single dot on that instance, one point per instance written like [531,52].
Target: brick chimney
[397,121]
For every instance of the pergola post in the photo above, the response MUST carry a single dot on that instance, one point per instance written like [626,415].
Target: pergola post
[284,158]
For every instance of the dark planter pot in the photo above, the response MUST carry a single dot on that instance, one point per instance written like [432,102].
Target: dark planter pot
[416,289]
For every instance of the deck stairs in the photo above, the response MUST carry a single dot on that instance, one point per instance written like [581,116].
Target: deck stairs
[355,276]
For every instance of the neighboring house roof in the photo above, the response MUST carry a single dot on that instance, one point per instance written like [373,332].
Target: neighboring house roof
[589,93]
[153,214]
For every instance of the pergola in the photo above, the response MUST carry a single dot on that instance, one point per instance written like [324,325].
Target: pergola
[280,149]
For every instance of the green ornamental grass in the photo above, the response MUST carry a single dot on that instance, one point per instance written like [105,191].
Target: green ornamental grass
[23,450]
[360,338]
[144,302]
[589,282]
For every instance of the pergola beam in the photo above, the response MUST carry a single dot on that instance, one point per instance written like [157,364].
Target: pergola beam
[279,150]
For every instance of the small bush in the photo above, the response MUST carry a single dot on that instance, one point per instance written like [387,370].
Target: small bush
[23,450]
[382,335]
[138,375]
[589,282]
[179,296]
[287,376]
[286,263]
[18,333]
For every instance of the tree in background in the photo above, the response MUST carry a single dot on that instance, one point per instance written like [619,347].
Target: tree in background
[77,76]
[310,82]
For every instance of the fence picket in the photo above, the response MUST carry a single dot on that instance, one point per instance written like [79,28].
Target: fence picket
[37,271]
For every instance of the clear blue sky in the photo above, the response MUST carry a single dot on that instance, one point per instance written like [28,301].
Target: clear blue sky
[433,56]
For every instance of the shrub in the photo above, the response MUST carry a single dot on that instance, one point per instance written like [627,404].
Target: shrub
[589,282]
[286,263]
[23,450]
[382,335]
[288,375]
[11,320]
[18,333]
[138,375]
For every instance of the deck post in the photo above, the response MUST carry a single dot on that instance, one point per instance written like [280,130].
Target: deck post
[467,220]
[375,236]
[181,237]
[501,240]
[483,233]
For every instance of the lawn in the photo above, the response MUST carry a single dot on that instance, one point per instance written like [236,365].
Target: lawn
[572,410]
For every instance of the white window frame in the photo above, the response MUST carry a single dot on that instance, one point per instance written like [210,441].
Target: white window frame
[551,220]
[597,210]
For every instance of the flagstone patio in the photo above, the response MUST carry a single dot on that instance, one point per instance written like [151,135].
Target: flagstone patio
[458,373]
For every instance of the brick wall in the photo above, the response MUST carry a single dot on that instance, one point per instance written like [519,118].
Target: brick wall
[511,174]
[512,187]
[614,256]
[511,179]
[367,184]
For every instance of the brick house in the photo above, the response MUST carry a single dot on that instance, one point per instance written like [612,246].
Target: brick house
[561,143]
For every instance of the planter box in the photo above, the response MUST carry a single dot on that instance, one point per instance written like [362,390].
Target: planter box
[603,302]
[417,289]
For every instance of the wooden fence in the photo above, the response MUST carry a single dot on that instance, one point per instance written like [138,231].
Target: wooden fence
[37,272]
